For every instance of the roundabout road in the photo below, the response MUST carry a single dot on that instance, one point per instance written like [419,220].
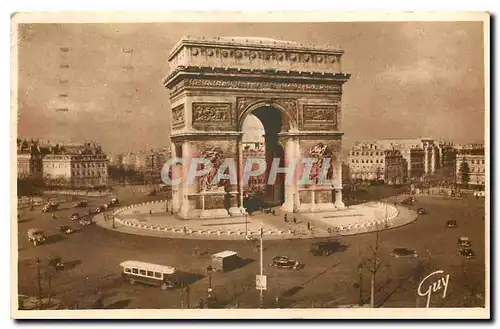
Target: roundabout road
[93,254]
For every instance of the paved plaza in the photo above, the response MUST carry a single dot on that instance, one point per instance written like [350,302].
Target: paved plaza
[153,219]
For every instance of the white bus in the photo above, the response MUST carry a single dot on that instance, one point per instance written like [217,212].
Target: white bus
[158,275]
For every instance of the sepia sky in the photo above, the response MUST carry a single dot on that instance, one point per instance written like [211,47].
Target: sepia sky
[420,79]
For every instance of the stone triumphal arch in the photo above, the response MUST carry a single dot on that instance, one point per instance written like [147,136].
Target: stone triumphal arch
[294,90]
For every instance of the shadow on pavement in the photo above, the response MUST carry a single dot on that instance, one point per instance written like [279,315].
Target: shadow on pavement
[188,278]
[71,264]
[55,238]
[292,291]
[119,304]
[242,263]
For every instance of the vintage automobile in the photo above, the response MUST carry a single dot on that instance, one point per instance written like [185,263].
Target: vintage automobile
[66,230]
[85,222]
[80,204]
[52,206]
[75,216]
[451,223]
[404,253]
[55,262]
[323,248]
[464,242]
[467,252]
[166,277]
[285,262]
[36,236]
[421,211]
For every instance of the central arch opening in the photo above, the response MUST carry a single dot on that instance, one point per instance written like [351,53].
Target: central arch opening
[261,128]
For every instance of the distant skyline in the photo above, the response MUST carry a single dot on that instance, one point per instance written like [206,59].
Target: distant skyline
[408,80]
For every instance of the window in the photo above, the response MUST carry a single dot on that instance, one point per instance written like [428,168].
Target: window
[142,272]
[135,271]
[127,270]
[157,275]
[150,273]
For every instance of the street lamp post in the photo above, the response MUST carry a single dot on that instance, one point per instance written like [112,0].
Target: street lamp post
[210,269]
[246,225]
[360,281]
[39,282]
[187,291]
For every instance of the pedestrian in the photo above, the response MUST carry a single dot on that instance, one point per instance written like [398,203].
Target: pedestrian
[286,220]
[308,226]
[150,212]
[294,220]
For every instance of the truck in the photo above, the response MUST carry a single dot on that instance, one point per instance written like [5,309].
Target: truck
[225,261]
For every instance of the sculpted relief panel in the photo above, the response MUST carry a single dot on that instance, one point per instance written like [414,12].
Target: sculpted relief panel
[322,117]
[178,116]
[217,115]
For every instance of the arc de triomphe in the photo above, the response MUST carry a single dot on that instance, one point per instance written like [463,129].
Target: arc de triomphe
[294,90]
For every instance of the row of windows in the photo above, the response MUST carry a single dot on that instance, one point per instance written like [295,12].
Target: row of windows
[76,165]
[365,167]
[367,153]
[367,161]
[88,173]
[476,162]
[151,274]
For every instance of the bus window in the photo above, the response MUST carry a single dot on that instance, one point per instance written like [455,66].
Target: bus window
[142,272]
[135,271]
[150,273]
[158,275]
[127,270]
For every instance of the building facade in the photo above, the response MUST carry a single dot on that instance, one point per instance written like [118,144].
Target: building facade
[255,184]
[471,166]
[396,168]
[367,159]
[367,162]
[76,166]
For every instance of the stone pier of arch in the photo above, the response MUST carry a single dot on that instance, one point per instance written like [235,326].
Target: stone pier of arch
[215,84]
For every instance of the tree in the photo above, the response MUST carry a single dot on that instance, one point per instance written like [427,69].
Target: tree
[464,171]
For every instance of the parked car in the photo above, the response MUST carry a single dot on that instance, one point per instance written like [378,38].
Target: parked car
[114,201]
[324,248]
[464,242]
[421,211]
[404,253]
[55,262]
[285,262]
[451,223]
[80,204]
[75,216]
[53,206]
[98,210]
[66,229]
[467,252]
[85,222]
[36,236]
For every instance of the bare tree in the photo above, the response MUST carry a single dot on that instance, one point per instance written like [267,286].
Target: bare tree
[373,265]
